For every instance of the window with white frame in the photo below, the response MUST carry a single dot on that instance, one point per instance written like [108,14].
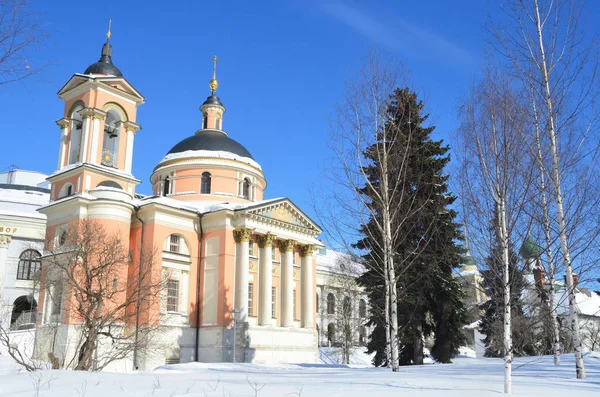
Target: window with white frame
[250,299]
[174,243]
[173,295]
[274,302]
[29,263]
[251,250]
[246,189]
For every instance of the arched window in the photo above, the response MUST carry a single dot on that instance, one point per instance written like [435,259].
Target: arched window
[330,304]
[66,190]
[110,144]
[166,187]
[331,333]
[205,186]
[362,308]
[29,263]
[75,139]
[205,121]
[346,306]
[246,189]
[23,312]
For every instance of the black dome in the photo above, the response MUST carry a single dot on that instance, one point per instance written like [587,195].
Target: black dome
[213,100]
[211,140]
[104,65]
[103,68]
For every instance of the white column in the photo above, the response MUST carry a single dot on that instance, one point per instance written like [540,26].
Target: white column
[241,236]
[84,139]
[265,274]
[129,151]
[4,242]
[64,125]
[307,301]
[287,282]
[95,140]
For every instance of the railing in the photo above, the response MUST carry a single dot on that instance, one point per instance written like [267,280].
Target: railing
[27,319]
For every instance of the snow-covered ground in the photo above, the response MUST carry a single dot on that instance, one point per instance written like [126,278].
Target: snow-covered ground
[535,376]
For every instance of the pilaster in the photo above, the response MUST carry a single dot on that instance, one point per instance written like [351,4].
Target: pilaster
[4,243]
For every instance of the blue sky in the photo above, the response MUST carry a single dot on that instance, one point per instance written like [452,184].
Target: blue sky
[283,65]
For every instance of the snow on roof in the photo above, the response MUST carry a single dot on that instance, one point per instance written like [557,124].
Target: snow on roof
[201,206]
[587,302]
[209,153]
[109,170]
[330,260]
[22,202]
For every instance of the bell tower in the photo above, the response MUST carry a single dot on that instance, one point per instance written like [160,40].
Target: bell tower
[97,130]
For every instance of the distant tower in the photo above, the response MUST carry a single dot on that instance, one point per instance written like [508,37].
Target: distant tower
[531,253]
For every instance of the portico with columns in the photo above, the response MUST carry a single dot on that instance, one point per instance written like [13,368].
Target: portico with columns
[275,282]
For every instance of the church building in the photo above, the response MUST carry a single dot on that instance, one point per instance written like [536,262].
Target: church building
[229,255]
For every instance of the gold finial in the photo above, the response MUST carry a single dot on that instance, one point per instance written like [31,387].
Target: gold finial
[214,84]
[108,32]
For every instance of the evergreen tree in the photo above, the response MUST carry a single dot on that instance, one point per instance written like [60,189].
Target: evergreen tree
[426,249]
[523,332]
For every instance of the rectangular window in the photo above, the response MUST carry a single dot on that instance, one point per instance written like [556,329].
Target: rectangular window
[294,305]
[250,299]
[274,302]
[174,243]
[274,252]
[173,296]
[251,248]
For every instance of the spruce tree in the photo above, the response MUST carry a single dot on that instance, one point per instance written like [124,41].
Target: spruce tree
[523,332]
[427,251]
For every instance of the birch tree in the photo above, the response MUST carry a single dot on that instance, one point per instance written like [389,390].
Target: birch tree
[544,44]
[493,183]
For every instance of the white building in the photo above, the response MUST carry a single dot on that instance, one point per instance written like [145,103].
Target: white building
[340,302]
[22,231]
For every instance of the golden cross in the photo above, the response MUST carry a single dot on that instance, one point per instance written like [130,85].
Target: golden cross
[108,33]
[215,59]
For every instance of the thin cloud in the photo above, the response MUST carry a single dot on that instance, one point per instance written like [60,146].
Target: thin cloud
[398,34]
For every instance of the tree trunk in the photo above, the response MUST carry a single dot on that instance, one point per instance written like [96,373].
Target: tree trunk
[418,346]
[548,238]
[388,328]
[507,329]
[86,353]
[579,365]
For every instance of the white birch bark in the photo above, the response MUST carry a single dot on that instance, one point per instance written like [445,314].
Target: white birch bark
[507,326]
[556,179]
[548,239]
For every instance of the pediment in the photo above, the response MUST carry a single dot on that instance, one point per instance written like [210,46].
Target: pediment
[284,212]
[115,84]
